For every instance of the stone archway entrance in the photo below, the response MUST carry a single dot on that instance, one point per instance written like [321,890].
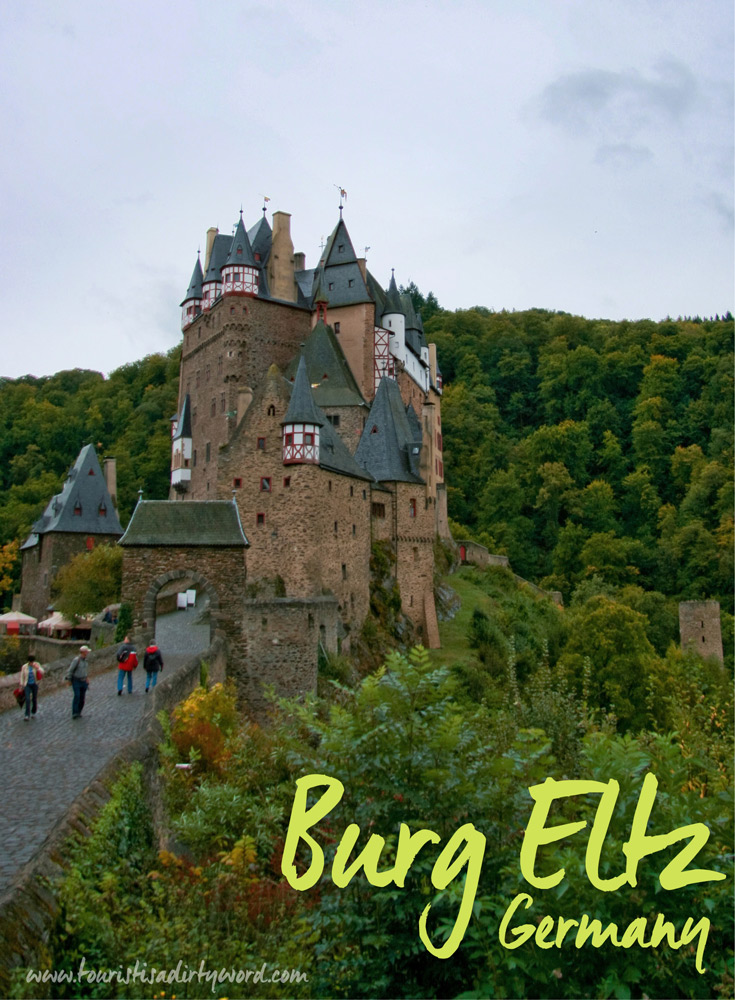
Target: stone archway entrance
[181,630]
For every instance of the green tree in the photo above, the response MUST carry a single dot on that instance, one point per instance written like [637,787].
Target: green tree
[89,582]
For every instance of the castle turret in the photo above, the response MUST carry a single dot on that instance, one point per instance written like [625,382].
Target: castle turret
[218,247]
[320,300]
[191,307]
[394,319]
[239,271]
[302,423]
[181,449]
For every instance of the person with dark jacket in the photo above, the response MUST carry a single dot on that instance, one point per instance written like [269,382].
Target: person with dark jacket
[77,676]
[127,661]
[153,662]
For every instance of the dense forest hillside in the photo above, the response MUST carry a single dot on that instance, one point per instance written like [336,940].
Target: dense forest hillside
[596,454]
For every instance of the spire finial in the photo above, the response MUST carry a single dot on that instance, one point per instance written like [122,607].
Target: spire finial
[342,197]
[140,494]
[266,199]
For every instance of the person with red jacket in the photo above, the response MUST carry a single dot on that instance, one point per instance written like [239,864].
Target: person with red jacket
[127,661]
[153,662]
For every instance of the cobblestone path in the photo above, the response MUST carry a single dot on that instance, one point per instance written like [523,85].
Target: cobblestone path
[47,762]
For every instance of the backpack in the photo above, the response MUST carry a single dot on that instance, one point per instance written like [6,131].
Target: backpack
[122,657]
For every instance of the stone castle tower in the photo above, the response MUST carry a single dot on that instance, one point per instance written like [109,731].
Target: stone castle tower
[310,399]
[700,629]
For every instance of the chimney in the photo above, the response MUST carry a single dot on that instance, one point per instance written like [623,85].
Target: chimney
[299,261]
[109,470]
[211,233]
[281,261]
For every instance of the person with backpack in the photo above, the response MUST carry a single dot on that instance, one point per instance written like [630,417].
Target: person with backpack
[127,660]
[77,676]
[153,662]
[30,674]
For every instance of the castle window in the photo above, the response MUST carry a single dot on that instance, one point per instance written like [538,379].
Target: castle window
[265,484]
[260,520]
[336,525]
[308,437]
[378,510]
[331,286]
[207,372]
[207,452]
[374,429]
[311,621]
[350,282]
[329,485]
[352,491]
[344,571]
[271,410]
[237,483]
[90,543]
[333,418]
[336,327]
[222,402]
[364,494]
[213,407]
[78,509]
[354,529]
[288,439]
[286,481]
[102,509]
[261,444]
[412,508]
[257,256]
[341,248]
[411,603]
[219,365]
[194,458]
[91,472]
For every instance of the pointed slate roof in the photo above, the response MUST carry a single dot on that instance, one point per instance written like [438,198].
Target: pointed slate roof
[393,302]
[86,490]
[194,290]
[330,377]
[185,524]
[240,251]
[220,250]
[388,449]
[302,409]
[261,239]
[339,249]
[183,427]
[335,455]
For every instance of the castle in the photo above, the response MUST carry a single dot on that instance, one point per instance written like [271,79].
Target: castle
[310,402]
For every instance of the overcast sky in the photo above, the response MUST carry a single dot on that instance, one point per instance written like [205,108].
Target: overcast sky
[564,154]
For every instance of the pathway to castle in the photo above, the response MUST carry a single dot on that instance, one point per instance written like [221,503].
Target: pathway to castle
[47,762]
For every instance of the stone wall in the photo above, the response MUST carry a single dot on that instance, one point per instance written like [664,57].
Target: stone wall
[225,350]
[700,629]
[43,561]
[415,522]
[29,908]
[99,660]
[282,636]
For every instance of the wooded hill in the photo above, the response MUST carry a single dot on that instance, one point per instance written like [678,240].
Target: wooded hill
[595,454]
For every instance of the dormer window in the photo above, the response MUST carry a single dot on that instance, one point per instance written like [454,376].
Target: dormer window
[102,510]
[341,248]
[91,472]
[78,509]
[257,256]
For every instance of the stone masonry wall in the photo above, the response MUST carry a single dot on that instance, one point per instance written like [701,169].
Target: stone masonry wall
[282,636]
[414,550]
[226,349]
[42,562]
[700,629]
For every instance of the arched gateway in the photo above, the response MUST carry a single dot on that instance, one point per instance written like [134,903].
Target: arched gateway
[197,541]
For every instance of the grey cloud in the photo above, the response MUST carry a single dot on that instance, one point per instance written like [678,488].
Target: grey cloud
[622,155]
[621,101]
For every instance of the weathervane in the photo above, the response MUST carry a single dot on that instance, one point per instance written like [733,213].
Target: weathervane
[266,199]
[365,252]
[342,197]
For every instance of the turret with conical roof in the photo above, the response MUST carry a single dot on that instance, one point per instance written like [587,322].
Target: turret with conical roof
[239,271]
[212,285]
[302,422]
[192,304]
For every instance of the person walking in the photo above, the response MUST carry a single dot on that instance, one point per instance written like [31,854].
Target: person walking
[153,662]
[127,661]
[77,677]
[30,674]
